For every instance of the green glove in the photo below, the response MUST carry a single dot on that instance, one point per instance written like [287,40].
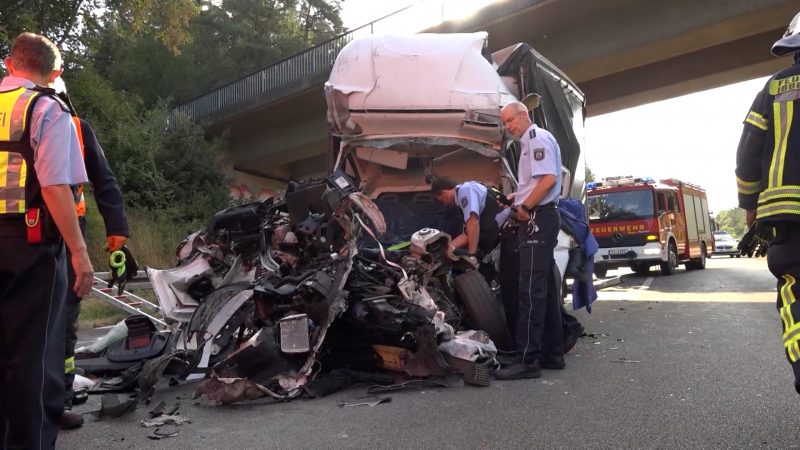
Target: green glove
[123,268]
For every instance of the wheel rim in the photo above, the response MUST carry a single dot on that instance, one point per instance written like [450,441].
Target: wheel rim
[673,258]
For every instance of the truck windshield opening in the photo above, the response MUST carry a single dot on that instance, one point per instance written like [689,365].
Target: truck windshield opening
[628,205]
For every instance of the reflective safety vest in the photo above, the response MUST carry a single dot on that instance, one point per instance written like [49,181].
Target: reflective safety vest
[19,187]
[77,191]
[769,177]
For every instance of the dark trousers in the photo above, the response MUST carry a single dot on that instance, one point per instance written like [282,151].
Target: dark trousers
[32,284]
[73,310]
[571,327]
[783,258]
[539,331]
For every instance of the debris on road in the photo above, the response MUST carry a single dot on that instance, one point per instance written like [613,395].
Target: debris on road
[623,359]
[164,419]
[370,402]
[158,434]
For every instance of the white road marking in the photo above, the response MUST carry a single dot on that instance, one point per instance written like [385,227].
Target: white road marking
[646,284]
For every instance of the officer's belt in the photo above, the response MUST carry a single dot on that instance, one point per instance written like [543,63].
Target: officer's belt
[546,206]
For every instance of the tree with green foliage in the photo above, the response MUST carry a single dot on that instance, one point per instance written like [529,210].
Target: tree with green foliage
[589,175]
[126,60]
[732,221]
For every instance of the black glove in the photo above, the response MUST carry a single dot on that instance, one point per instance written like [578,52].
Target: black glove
[757,239]
[123,268]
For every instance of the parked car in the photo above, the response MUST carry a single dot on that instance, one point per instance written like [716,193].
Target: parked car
[725,244]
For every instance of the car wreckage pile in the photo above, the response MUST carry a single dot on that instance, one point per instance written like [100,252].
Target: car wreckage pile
[281,298]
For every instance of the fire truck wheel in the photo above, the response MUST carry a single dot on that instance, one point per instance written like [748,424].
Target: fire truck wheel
[668,267]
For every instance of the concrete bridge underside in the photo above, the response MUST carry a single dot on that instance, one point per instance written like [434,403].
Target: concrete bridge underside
[622,53]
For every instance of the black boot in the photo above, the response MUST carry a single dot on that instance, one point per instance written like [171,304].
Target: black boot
[519,371]
[553,362]
[70,420]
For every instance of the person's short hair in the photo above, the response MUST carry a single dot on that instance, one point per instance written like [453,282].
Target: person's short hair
[440,184]
[35,53]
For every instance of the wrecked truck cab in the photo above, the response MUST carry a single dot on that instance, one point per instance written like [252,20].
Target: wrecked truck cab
[402,109]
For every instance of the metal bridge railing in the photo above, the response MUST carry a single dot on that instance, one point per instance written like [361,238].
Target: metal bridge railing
[309,62]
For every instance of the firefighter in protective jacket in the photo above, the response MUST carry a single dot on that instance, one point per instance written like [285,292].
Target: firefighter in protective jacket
[768,181]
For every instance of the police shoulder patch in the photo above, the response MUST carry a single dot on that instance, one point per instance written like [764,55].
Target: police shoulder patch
[532,133]
[538,154]
[464,202]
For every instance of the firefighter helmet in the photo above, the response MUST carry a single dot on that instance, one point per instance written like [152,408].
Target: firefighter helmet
[790,42]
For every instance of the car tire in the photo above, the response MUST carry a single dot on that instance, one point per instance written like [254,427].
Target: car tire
[600,272]
[732,255]
[483,308]
[668,267]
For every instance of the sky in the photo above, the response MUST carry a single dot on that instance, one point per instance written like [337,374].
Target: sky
[692,138]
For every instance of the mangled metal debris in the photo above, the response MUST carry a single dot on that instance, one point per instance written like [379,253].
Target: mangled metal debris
[271,293]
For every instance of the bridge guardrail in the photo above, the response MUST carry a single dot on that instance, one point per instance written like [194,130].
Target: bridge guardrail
[304,64]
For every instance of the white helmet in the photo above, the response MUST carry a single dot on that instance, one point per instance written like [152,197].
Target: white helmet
[790,42]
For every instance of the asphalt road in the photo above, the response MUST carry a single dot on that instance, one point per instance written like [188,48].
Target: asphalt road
[693,360]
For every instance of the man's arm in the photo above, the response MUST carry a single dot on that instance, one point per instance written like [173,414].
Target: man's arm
[748,157]
[473,231]
[61,206]
[546,182]
[107,193]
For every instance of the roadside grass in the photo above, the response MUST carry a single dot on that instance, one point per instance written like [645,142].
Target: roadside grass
[97,313]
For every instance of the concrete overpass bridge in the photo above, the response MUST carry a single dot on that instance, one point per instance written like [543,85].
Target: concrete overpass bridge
[622,53]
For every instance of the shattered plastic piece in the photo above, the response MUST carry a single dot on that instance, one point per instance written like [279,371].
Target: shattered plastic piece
[117,332]
[81,382]
[374,402]
[157,434]
[470,345]
[164,419]
[112,407]
[623,359]
[158,410]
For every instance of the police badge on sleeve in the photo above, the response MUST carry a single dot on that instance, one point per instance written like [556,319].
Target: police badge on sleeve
[464,202]
[538,154]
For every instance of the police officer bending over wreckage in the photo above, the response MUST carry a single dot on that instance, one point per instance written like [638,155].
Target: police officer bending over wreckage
[539,336]
[768,181]
[481,212]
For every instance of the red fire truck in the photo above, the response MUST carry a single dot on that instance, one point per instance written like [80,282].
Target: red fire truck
[640,223]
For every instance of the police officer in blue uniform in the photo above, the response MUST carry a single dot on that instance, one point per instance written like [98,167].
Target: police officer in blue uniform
[768,181]
[482,215]
[539,337]
[41,155]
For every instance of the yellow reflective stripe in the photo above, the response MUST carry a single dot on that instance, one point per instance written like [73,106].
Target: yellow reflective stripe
[20,113]
[778,193]
[790,339]
[757,120]
[787,207]
[747,187]
[23,177]
[13,170]
[69,365]
[7,101]
[3,168]
[782,112]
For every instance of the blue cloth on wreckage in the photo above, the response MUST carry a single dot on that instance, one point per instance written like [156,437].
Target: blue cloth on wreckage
[573,213]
